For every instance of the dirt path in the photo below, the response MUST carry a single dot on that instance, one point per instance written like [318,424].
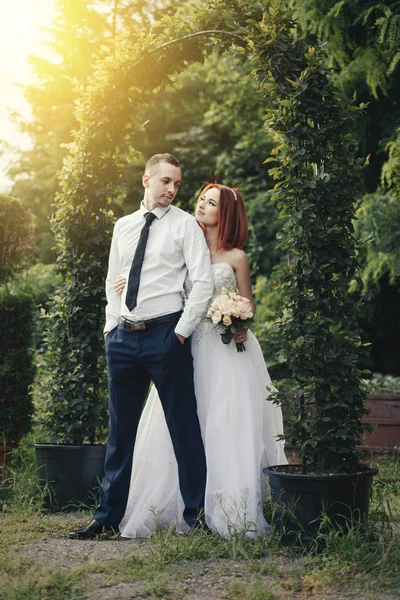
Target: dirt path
[118,569]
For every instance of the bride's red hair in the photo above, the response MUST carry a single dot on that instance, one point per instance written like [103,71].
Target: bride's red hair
[233,226]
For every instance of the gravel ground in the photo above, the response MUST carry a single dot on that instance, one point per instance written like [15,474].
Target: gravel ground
[71,553]
[209,579]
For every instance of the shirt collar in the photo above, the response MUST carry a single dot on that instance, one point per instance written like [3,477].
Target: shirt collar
[158,211]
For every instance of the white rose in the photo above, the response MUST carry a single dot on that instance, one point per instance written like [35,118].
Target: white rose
[230,307]
[216,317]
[223,305]
[236,312]
[227,320]
[245,313]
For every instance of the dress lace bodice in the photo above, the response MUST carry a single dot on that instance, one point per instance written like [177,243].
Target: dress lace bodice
[224,277]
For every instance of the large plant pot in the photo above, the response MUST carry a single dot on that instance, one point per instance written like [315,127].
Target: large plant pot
[5,457]
[302,499]
[385,412]
[70,475]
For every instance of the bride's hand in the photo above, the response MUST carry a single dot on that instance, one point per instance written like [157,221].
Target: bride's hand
[241,335]
[119,284]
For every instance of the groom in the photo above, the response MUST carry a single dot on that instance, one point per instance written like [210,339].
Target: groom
[146,335]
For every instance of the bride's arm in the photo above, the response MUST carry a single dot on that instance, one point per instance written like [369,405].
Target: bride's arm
[242,271]
[241,267]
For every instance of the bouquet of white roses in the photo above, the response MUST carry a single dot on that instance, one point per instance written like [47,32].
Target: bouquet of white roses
[230,312]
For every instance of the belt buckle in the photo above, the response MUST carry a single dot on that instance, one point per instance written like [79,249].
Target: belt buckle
[137,326]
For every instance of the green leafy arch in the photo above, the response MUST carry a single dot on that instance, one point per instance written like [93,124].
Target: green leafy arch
[317,180]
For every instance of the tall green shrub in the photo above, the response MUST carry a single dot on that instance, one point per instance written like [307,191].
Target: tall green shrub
[71,386]
[317,183]
[39,282]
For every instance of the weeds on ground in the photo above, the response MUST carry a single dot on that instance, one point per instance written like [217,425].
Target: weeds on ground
[254,590]
[43,584]
[386,490]
[19,487]
[367,556]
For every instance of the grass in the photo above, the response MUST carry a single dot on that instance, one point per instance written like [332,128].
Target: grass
[362,559]
[43,584]
[253,590]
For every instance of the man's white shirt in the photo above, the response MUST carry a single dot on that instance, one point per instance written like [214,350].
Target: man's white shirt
[176,247]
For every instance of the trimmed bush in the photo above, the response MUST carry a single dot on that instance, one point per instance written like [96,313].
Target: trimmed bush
[16,365]
[39,281]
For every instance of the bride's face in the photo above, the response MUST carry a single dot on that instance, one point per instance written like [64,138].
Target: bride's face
[207,211]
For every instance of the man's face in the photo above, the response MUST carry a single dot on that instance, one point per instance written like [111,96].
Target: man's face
[161,185]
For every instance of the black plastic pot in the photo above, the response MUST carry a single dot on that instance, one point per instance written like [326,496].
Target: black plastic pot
[301,500]
[70,475]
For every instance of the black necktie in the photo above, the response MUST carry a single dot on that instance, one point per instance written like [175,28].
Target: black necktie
[134,273]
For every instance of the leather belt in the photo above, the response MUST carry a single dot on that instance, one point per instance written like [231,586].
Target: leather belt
[141,325]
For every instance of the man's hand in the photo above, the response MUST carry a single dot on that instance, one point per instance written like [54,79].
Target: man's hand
[105,335]
[180,338]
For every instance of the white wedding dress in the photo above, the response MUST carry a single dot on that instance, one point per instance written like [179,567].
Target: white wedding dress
[239,427]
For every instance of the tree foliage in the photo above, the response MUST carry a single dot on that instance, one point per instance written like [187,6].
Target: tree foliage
[16,237]
[364,37]
[378,228]
[78,39]
[378,225]
[362,45]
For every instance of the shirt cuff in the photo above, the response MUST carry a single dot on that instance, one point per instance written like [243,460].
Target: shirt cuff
[184,329]
[110,324]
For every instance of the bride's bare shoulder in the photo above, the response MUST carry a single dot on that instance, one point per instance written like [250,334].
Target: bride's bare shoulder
[238,258]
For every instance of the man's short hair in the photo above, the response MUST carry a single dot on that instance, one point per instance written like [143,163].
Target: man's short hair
[161,158]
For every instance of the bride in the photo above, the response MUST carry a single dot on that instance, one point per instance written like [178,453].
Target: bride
[239,424]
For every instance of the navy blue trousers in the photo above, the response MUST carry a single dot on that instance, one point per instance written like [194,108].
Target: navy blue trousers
[135,358]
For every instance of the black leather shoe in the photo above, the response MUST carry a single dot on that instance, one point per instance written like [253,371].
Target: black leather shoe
[198,526]
[89,532]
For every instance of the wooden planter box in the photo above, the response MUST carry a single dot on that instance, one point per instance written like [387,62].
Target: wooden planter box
[384,412]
